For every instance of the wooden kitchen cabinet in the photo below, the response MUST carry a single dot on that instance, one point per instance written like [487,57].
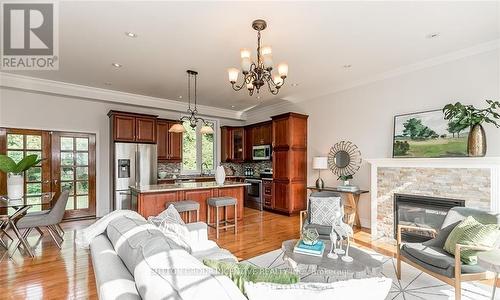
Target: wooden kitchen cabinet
[289,162]
[169,143]
[262,133]
[232,144]
[134,128]
[248,143]
[267,193]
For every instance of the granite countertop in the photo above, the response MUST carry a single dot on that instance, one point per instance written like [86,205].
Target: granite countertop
[197,177]
[155,188]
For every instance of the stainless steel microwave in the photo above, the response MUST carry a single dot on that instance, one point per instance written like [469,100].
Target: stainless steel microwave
[261,152]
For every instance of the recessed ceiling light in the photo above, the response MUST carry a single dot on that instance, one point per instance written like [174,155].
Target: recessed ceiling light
[232,106]
[116,65]
[131,34]
[347,66]
[180,97]
[432,35]
[258,97]
[294,84]
[107,83]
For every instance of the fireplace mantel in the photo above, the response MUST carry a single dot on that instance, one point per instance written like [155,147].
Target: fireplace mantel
[490,166]
[456,162]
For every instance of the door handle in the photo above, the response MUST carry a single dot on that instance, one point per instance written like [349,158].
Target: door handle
[125,194]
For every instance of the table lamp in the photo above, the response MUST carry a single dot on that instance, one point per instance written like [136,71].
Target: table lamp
[320,163]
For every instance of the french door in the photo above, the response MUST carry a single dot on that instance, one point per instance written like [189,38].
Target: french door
[69,164]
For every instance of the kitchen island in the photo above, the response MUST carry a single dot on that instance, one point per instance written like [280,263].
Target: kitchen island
[151,199]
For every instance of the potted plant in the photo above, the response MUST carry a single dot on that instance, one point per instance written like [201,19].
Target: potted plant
[469,116]
[14,172]
[345,179]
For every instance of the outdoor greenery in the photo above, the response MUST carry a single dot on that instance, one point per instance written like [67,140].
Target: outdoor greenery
[190,149]
[8,165]
[464,116]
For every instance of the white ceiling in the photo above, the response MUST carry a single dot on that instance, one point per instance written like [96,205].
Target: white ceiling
[315,38]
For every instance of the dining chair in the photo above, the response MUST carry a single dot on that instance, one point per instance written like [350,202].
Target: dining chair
[50,220]
[4,221]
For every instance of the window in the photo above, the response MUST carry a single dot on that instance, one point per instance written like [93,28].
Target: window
[20,145]
[198,150]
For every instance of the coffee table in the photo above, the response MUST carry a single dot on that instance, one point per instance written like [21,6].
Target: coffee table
[362,266]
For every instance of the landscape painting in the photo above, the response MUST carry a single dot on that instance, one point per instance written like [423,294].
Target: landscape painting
[428,134]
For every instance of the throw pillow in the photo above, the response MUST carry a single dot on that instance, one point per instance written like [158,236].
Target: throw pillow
[178,234]
[323,210]
[368,288]
[471,232]
[240,273]
[169,215]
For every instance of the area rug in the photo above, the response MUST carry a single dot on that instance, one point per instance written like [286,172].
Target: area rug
[414,284]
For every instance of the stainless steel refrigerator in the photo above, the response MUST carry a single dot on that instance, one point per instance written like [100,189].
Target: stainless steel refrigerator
[134,165]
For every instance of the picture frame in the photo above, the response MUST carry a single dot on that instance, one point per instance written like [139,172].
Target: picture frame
[427,134]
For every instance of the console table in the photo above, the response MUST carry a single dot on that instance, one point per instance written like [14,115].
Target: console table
[351,204]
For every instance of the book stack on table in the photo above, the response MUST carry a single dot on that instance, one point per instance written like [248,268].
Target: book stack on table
[314,250]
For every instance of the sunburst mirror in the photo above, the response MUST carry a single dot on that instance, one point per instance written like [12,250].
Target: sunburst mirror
[344,158]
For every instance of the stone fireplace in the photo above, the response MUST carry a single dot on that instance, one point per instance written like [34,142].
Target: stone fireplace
[476,181]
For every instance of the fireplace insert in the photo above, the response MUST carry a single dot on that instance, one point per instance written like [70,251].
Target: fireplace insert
[421,211]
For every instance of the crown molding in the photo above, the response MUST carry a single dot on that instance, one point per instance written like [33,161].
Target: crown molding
[438,60]
[32,84]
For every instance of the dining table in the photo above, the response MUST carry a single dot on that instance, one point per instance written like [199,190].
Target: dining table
[13,210]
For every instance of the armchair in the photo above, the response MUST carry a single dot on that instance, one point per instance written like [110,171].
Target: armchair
[305,216]
[431,258]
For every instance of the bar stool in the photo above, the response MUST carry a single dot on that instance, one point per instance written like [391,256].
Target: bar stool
[186,206]
[218,202]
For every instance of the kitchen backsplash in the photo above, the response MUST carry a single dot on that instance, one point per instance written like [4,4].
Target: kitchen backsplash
[175,168]
[170,168]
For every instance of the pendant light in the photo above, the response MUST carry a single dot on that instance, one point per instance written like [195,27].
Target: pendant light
[193,117]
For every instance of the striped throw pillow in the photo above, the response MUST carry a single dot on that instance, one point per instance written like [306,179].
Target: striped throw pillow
[471,232]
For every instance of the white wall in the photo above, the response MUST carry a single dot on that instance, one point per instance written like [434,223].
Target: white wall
[21,109]
[364,115]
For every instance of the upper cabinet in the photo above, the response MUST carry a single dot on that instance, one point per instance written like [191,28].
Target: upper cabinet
[169,143]
[262,134]
[233,144]
[134,128]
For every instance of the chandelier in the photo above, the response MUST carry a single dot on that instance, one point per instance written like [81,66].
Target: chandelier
[258,73]
[192,117]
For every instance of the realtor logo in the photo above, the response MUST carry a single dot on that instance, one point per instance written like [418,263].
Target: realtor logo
[29,36]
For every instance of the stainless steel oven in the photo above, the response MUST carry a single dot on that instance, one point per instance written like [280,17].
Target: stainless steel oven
[253,194]
[261,152]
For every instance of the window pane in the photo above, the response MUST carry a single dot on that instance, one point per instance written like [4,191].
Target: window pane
[15,141]
[82,159]
[207,150]
[189,148]
[33,142]
[66,143]
[35,208]
[82,202]
[68,186]
[67,173]
[34,188]
[37,153]
[34,174]
[67,158]
[82,173]
[82,187]
[82,144]
[71,203]
[16,155]
[34,200]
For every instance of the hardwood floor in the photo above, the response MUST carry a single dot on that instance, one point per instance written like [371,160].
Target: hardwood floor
[68,273]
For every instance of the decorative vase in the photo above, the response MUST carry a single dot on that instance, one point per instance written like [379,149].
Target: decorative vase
[220,175]
[15,186]
[476,145]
